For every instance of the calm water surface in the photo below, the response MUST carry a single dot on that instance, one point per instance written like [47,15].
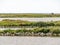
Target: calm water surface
[35,19]
[29,40]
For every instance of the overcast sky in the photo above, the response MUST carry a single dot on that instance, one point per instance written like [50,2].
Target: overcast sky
[29,6]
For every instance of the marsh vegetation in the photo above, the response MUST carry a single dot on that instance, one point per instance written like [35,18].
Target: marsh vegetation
[12,15]
[39,28]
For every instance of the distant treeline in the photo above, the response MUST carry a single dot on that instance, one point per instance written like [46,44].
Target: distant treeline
[28,15]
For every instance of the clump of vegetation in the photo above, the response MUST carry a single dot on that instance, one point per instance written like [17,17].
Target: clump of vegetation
[20,23]
[33,32]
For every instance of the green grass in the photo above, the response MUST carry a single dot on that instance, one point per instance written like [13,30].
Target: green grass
[54,31]
[17,23]
[40,27]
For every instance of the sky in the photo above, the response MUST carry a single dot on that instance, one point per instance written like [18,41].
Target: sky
[29,6]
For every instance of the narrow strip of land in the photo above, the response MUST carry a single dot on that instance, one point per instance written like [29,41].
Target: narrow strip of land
[30,15]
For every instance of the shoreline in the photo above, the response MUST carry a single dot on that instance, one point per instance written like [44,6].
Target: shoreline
[34,36]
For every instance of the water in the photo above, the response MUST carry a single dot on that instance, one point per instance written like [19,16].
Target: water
[35,19]
[16,28]
[5,40]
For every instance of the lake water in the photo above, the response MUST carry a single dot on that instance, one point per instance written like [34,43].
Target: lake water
[14,28]
[5,40]
[35,19]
